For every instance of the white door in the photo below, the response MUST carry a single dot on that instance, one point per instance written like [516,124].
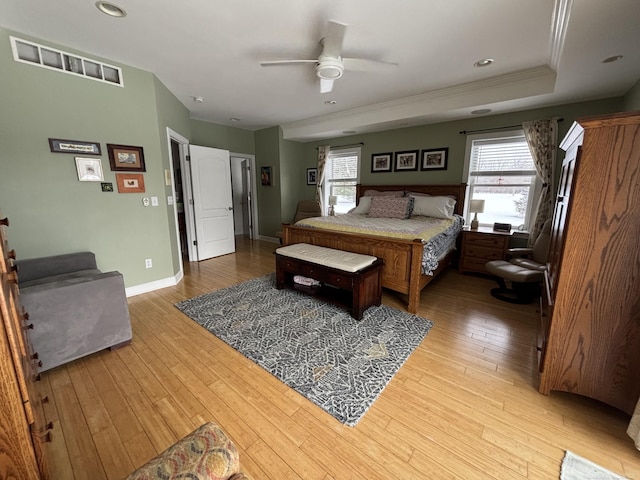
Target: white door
[247,207]
[212,201]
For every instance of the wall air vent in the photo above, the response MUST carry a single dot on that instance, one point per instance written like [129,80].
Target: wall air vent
[34,54]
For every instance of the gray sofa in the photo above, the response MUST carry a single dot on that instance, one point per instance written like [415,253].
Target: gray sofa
[75,308]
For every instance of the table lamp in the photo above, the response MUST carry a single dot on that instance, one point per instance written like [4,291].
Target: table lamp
[333,199]
[475,207]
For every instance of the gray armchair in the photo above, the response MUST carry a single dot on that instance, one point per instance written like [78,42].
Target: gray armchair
[304,209]
[75,308]
[525,270]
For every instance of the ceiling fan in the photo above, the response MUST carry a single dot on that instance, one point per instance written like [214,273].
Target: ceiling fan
[330,65]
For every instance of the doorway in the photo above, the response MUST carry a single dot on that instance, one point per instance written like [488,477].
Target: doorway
[242,178]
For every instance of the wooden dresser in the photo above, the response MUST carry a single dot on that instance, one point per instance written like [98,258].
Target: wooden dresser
[589,337]
[481,246]
[23,428]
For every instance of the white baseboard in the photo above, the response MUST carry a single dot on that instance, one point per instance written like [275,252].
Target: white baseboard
[155,285]
[269,239]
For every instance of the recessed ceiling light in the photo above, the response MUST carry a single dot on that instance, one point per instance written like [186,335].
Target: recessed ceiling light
[484,62]
[111,9]
[234,119]
[198,99]
[349,131]
[480,111]
[330,102]
[612,59]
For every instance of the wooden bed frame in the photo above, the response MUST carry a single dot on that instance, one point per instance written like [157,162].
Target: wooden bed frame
[402,270]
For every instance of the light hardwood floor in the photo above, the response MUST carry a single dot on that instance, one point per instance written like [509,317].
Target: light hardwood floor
[465,405]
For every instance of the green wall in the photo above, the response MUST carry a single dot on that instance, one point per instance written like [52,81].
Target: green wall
[447,134]
[269,197]
[52,212]
[236,140]
[632,98]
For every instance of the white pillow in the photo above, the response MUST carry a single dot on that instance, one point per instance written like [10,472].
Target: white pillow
[438,207]
[363,206]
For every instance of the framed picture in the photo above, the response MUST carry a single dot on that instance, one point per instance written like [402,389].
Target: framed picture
[312,174]
[89,169]
[74,146]
[265,175]
[130,182]
[125,158]
[434,159]
[406,161]
[381,162]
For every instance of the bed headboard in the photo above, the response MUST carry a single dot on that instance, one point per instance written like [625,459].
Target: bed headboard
[457,191]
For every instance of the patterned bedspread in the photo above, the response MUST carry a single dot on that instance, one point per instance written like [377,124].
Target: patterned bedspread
[438,234]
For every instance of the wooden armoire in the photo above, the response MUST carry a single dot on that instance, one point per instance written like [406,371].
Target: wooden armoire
[589,335]
[23,428]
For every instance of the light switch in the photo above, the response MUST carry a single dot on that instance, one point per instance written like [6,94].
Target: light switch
[170,200]
[154,201]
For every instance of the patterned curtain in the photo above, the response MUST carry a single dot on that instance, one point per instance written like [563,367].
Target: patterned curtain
[323,151]
[542,137]
[634,426]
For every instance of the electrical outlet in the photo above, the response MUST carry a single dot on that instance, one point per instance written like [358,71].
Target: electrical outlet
[148,263]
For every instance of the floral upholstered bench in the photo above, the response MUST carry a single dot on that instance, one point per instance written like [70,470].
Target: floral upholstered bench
[205,454]
[348,279]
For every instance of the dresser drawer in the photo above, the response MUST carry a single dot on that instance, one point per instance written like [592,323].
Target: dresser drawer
[288,264]
[484,239]
[485,253]
[339,280]
[312,271]
[470,264]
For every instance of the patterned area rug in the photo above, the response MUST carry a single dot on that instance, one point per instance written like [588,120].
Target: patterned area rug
[338,363]
[574,467]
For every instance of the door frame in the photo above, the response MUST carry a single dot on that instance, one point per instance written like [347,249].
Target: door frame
[183,144]
[254,190]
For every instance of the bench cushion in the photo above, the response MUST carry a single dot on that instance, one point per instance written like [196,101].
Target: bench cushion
[328,257]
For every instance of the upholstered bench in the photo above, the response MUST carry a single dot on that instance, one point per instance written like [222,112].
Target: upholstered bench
[348,279]
[204,454]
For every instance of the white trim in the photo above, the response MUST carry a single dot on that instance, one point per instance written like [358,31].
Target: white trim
[155,285]
[269,239]
[559,26]
[254,190]
[171,135]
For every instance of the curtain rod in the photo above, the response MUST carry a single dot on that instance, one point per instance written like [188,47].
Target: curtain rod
[345,146]
[464,132]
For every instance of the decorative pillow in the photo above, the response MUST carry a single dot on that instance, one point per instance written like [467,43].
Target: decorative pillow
[363,206]
[390,193]
[391,207]
[438,207]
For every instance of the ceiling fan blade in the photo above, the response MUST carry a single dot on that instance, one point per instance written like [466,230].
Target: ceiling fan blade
[364,64]
[268,63]
[332,41]
[326,86]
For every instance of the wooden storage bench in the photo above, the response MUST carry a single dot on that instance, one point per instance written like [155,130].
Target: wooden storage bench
[348,279]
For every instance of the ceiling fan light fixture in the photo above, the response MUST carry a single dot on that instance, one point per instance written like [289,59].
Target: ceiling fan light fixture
[111,9]
[330,68]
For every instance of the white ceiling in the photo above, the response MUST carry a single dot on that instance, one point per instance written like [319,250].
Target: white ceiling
[546,53]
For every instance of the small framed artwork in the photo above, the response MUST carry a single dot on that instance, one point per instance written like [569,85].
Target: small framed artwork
[130,182]
[89,169]
[107,187]
[434,159]
[312,176]
[381,162]
[406,161]
[125,158]
[57,145]
[265,176]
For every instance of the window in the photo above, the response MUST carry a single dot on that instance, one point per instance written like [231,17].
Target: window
[341,174]
[502,173]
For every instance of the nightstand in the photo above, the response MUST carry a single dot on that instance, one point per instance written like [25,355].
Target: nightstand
[481,246]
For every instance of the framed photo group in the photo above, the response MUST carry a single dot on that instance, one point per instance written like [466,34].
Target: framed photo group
[410,160]
[122,158]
